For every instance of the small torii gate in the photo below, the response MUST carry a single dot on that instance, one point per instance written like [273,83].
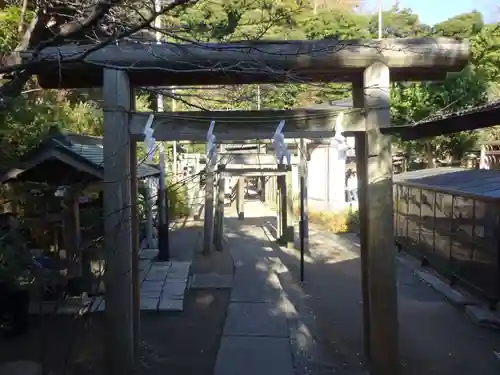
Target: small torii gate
[369,65]
[257,166]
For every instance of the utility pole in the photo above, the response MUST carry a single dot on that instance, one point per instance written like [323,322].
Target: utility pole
[380,8]
[163,246]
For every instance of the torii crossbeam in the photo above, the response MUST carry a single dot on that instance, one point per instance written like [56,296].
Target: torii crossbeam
[245,62]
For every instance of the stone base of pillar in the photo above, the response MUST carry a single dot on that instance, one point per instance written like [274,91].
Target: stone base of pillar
[287,239]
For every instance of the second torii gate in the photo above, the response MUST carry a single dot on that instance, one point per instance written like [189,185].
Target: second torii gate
[369,65]
[284,214]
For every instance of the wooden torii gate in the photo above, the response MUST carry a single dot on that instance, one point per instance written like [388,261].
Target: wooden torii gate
[258,169]
[369,65]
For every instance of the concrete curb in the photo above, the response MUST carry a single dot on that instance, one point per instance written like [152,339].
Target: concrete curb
[474,309]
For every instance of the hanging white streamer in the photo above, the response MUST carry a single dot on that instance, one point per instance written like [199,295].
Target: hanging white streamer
[280,148]
[211,142]
[149,140]
[339,138]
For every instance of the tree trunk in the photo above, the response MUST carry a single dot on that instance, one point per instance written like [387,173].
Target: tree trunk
[429,155]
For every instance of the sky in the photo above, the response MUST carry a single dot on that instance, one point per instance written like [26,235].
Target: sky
[435,11]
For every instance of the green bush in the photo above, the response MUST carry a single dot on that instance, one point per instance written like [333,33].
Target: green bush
[346,221]
[177,201]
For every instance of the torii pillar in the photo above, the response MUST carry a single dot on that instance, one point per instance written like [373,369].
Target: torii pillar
[240,198]
[378,257]
[285,208]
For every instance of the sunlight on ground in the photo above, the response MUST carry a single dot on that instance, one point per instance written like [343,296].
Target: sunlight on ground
[205,300]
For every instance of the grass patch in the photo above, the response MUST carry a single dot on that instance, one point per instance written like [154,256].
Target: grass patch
[345,221]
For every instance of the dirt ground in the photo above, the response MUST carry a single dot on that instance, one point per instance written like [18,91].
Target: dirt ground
[171,343]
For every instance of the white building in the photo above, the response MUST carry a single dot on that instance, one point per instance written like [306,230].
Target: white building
[328,166]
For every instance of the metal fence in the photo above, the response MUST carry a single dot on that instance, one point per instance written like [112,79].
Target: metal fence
[449,218]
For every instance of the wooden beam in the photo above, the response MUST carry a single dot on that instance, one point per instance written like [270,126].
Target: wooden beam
[289,229]
[241,168]
[252,172]
[262,188]
[244,125]
[208,222]
[136,278]
[246,62]
[251,166]
[266,142]
[376,216]
[448,125]
[283,210]
[234,161]
[304,215]
[71,233]
[117,226]
[148,205]
[240,198]
[221,199]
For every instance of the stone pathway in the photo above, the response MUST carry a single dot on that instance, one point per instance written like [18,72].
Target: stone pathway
[263,333]
[163,284]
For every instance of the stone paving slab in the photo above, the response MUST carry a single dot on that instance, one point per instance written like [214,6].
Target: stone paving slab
[152,285]
[150,294]
[255,287]
[173,289]
[244,355]
[149,303]
[98,304]
[179,271]
[255,319]
[171,305]
[161,265]
[160,291]
[156,275]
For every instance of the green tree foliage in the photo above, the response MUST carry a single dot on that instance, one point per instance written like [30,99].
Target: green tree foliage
[399,23]
[465,25]
[9,19]
[472,87]
[424,101]
[228,20]
[486,55]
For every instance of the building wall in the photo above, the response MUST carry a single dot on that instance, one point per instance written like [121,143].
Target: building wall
[326,177]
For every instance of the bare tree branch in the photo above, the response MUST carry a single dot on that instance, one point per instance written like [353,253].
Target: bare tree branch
[33,39]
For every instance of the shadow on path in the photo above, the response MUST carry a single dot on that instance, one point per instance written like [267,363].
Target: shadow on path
[435,337]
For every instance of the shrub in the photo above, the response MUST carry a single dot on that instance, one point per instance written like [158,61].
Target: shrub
[177,201]
[337,222]
[345,221]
